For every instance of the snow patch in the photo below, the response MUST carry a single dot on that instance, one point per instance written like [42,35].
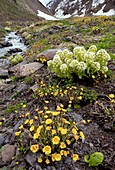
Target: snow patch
[46,16]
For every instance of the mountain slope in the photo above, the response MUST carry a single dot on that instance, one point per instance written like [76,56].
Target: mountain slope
[82,7]
[20,10]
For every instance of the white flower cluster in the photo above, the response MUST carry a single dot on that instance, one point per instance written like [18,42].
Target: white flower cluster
[80,62]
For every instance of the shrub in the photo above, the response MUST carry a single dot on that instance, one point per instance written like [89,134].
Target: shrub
[79,62]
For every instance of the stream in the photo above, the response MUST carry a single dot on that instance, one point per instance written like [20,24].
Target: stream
[16,46]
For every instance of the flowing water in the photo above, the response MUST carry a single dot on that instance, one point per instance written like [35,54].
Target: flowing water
[16,42]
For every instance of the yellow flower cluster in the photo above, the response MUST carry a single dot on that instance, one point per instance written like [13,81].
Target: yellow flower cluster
[52,133]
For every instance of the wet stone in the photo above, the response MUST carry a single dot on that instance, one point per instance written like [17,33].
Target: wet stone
[30,158]
[2,139]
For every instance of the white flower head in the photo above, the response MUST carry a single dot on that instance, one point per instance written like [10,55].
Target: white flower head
[59,52]
[92,48]
[64,68]
[79,53]
[89,56]
[81,66]
[105,68]
[95,66]
[73,63]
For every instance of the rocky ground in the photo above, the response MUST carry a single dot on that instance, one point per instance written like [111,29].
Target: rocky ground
[23,89]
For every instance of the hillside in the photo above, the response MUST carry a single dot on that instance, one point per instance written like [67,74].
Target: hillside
[22,10]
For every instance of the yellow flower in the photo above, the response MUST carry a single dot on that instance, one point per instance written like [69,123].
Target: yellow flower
[74,131]
[32,128]
[36,135]
[48,121]
[82,135]
[53,157]
[47,161]
[40,160]
[68,142]
[40,112]
[79,97]
[31,122]
[48,112]
[60,128]
[71,98]
[34,148]
[36,109]
[65,153]
[76,137]
[58,108]
[0,123]
[18,133]
[57,157]
[53,131]
[46,101]
[75,157]
[112,101]
[56,93]
[36,117]
[65,121]
[26,122]
[48,128]
[24,106]
[27,114]
[39,128]
[55,113]
[62,145]
[47,149]
[62,152]
[63,131]
[46,116]
[45,108]
[21,127]
[61,105]
[111,96]
[55,140]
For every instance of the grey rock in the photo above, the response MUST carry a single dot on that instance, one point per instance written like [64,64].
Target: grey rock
[38,167]
[53,168]
[17,125]
[3,73]
[8,80]
[5,44]
[23,70]
[7,153]
[2,84]
[2,139]
[22,87]
[30,158]
[48,54]
[68,160]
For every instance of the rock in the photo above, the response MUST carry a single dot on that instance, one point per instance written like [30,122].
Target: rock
[38,167]
[4,63]
[5,44]
[30,158]
[7,153]
[2,84]
[3,73]
[17,125]
[2,139]
[25,34]
[34,87]
[14,50]
[23,70]
[48,54]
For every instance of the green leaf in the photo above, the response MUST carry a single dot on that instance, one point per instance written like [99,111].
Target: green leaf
[94,159]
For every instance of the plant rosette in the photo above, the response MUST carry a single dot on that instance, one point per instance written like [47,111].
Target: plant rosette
[50,134]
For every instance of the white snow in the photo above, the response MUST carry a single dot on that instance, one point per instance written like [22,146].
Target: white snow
[95,3]
[46,16]
[44,2]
